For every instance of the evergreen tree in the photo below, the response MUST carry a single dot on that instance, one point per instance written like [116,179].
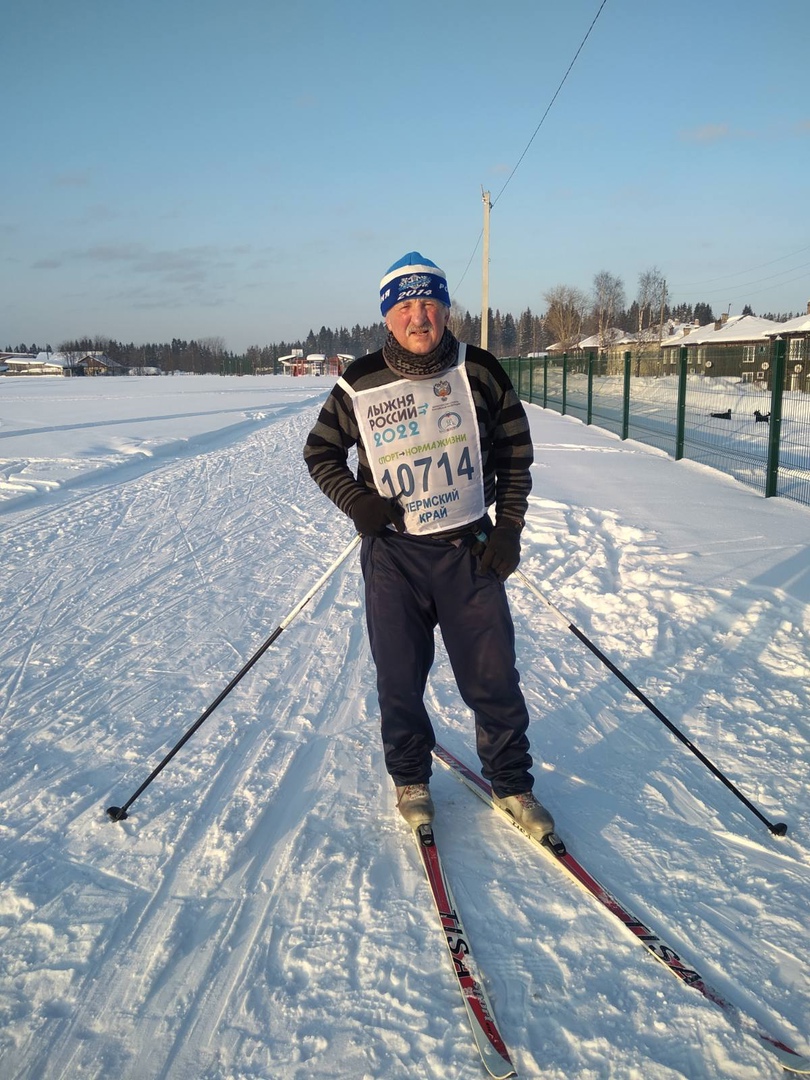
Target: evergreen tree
[508,336]
[525,333]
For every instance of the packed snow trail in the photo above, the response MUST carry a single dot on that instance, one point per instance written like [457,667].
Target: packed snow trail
[262,913]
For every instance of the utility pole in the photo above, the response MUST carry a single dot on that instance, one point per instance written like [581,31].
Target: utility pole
[485,274]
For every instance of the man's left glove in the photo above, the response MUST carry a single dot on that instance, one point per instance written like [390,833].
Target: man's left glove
[502,553]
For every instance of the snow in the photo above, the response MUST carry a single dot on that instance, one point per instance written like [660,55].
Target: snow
[735,328]
[263,912]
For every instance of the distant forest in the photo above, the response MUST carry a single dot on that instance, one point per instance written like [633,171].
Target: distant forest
[508,336]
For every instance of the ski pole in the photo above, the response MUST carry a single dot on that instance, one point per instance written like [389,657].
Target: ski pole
[778,829]
[118,813]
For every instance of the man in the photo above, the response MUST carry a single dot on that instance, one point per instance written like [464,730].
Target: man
[440,435]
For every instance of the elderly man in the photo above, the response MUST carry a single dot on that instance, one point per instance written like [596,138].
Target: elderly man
[440,437]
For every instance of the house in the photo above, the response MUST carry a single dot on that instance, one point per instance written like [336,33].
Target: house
[77,363]
[733,345]
[796,334]
[30,364]
[11,363]
[611,341]
[614,342]
[98,363]
[314,363]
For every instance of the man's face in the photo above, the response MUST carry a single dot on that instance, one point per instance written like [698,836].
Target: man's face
[419,324]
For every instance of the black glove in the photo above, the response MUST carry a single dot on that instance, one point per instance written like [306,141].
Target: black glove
[502,552]
[372,513]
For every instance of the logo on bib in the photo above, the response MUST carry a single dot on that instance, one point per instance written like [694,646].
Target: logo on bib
[442,389]
[449,421]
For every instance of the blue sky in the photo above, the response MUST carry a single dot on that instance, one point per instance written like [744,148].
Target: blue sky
[248,169]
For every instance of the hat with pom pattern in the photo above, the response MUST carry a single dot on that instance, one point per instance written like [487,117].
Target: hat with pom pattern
[413,277]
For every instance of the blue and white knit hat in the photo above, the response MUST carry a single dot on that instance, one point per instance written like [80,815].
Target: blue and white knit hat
[412,276]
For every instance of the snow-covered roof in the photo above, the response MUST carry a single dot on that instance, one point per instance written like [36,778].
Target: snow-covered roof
[614,335]
[735,328]
[799,325]
[30,363]
[674,333]
[74,359]
[57,359]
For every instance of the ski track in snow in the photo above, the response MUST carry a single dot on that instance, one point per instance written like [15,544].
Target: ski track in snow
[262,913]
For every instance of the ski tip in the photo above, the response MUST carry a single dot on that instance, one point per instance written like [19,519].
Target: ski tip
[502,1075]
[790,1061]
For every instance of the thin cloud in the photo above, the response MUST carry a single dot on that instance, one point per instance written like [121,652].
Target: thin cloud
[707,133]
[166,263]
[79,178]
[172,279]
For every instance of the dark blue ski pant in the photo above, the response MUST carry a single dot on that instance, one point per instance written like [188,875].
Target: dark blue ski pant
[411,586]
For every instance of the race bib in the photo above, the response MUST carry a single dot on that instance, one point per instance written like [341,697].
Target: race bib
[424,447]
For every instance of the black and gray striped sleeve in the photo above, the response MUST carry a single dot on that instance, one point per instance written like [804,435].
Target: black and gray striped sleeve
[336,432]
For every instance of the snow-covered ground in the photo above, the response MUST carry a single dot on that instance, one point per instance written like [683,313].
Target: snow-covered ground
[263,913]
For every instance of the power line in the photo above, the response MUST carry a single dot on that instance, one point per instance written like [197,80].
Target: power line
[534,135]
[737,273]
[550,104]
[744,285]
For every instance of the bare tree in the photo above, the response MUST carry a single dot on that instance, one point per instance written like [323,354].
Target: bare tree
[213,345]
[566,309]
[456,321]
[608,301]
[651,300]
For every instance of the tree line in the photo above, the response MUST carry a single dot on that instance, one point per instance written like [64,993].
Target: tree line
[570,314]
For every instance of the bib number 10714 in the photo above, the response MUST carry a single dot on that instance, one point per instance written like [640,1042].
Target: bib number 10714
[427,473]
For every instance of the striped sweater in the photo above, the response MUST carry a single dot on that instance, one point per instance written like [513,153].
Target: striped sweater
[506,444]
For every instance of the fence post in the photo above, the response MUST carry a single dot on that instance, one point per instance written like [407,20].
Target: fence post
[680,415]
[564,382]
[775,428]
[531,381]
[590,389]
[626,397]
[545,382]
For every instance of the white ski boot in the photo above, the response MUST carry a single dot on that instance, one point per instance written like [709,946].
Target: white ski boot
[530,814]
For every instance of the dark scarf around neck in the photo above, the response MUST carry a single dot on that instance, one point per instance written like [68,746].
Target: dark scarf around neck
[413,366]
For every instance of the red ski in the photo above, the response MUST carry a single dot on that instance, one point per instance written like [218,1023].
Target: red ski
[491,1047]
[789,1059]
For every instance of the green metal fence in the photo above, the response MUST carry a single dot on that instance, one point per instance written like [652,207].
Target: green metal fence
[744,410]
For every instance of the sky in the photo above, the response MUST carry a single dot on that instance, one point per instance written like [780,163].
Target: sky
[262,912]
[248,170]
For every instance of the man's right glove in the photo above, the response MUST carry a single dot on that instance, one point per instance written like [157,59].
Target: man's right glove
[372,514]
